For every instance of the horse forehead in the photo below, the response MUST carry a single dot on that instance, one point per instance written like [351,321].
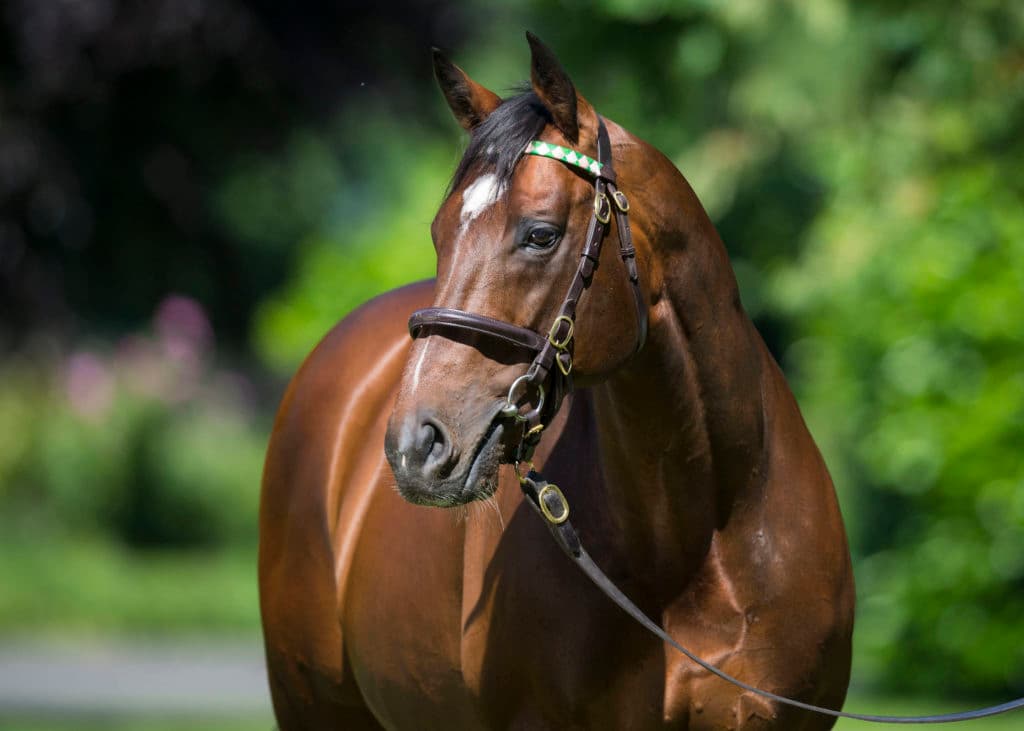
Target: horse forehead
[536,184]
[543,182]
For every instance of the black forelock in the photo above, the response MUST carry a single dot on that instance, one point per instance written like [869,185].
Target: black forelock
[498,142]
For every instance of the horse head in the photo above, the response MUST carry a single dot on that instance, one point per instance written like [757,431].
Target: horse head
[512,238]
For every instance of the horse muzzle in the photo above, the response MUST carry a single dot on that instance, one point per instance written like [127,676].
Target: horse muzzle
[429,466]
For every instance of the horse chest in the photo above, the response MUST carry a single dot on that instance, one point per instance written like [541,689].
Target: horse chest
[480,622]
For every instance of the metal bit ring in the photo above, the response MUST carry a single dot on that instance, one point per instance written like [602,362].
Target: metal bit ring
[510,409]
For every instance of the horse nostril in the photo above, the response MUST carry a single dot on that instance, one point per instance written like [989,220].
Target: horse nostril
[434,448]
[430,441]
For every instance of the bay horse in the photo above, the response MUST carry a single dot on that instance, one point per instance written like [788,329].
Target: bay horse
[690,471]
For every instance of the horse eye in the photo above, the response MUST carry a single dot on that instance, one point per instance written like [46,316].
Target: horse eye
[542,237]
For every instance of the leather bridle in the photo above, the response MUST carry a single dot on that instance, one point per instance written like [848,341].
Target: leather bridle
[550,373]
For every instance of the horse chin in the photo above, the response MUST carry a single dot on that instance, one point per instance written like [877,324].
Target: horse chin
[478,480]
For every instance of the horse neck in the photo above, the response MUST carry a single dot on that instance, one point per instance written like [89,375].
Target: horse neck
[681,427]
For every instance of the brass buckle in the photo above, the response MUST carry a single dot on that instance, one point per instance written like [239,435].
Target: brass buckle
[565,369]
[552,333]
[601,204]
[550,489]
[621,201]
[535,430]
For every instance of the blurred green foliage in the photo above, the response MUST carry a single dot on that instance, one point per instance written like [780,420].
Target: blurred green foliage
[129,485]
[129,447]
[68,588]
[906,305]
[862,161]
[378,245]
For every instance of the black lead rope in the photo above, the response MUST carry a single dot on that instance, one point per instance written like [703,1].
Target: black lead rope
[547,500]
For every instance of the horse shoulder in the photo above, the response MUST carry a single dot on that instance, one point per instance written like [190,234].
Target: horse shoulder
[801,562]
[323,462]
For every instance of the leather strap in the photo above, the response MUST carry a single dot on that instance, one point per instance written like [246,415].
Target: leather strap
[449,322]
[628,255]
[553,508]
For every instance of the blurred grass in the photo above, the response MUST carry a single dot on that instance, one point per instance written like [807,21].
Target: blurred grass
[64,588]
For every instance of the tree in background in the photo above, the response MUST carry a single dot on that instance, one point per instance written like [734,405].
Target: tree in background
[125,128]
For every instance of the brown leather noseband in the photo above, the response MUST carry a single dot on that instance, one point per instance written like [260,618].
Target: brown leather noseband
[552,364]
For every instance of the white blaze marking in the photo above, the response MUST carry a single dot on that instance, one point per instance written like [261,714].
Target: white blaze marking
[478,197]
[419,364]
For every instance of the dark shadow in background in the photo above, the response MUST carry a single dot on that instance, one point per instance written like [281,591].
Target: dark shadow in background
[118,120]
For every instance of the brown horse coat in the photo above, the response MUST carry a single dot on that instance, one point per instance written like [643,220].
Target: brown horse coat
[691,475]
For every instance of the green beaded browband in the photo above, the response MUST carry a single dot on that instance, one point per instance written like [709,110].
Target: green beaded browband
[565,154]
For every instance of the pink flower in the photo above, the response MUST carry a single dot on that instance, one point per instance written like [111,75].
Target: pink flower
[183,329]
[89,385]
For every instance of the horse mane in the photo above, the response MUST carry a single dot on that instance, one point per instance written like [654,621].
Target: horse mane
[498,142]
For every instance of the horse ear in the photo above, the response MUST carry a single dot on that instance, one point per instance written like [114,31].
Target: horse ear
[554,87]
[470,103]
